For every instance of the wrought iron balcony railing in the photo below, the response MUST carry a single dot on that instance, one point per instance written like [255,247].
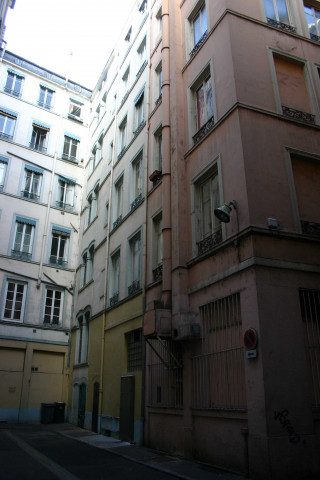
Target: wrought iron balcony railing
[136,201]
[5,136]
[114,299]
[16,93]
[64,206]
[310,228]
[59,261]
[209,242]
[281,25]
[157,273]
[134,287]
[199,44]
[36,146]
[21,255]
[203,130]
[30,195]
[117,221]
[298,114]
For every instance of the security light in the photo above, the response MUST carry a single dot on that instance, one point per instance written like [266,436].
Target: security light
[223,212]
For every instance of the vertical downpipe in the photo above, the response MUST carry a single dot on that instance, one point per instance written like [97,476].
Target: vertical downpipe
[166,162]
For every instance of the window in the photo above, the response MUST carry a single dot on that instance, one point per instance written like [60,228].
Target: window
[200,25]
[277,14]
[118,204]
[114,278]
[7,123]
[138,112]
[208,227]
[3,170]
[137,180]
[59,246]
[134,350]
[65,193]
[92,206]
[53,306]
[14,83]
[141,52]
[96,155]
[158,83]
[125,82]
[123,135]
[143,6]
[110,152]
[23,238]
[15,297]
[75,109]
[128,36]
[203,107]
[310,314]
[86,274]
[45,97]
[134,264]
[39,137]
[294,96]
[32,182]
[157,159]
[158,25]
[313,21]
[70,147]
[157,254]
[218,372]
[82,339]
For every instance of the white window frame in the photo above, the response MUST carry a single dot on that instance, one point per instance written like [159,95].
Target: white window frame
[69,144]
[17,79]
[25,249]
[276,16]
[3,171]
[123,127]
[16,283]
[191,41]
[75,109]
[157,241]
[118,199]
[48,95]
[137,179]
[7,120]
[141,54]
[39,137]
[139,111]
[33,177]
[134,264]
[125,82]
[50,310]
[62,249]
[313,35]
[157,149]
[158,83]
[65,193]
[114,285]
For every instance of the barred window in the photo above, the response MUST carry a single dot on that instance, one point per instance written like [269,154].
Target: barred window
[165,372]
[310,313]
[218,372]
[134,350]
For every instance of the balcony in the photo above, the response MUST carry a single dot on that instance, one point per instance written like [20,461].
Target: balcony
[30,195]
[5,136]
[134,287]
[136,201]
[117,221]
[298,114]
[157,273]
[203,130]
[314,37]
[310,228]
[155,177]
[15,93]
[198,44]
[64,206]
[69,157]
[57,261]
[45,105]
[21,255]
[114,299]
[39,148]
[209,242]
[282,26]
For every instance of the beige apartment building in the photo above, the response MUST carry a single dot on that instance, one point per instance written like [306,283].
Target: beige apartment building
[196,301]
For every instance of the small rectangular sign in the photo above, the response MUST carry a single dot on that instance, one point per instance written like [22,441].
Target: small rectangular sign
[251,354]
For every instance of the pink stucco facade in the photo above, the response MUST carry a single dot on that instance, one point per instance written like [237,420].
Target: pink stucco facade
[206,399]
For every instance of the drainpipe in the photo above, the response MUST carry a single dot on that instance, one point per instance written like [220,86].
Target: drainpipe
[166,162]
[107,254]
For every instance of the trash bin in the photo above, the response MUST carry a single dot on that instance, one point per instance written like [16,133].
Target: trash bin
[59,412]
[47,412]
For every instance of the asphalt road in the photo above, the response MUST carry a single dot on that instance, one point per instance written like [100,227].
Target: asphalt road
[27,454]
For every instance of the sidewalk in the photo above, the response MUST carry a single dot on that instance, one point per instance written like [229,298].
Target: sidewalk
[180,468]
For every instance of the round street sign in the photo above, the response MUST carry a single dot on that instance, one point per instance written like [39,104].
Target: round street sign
[250,339]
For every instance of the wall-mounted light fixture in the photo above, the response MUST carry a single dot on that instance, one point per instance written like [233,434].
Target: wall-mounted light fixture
[223,212]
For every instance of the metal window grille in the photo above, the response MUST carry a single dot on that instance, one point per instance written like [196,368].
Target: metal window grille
[134,350]
[165,373]
[218,372]
[310,313]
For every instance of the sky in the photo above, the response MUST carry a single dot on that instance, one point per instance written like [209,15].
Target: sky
[69,37]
